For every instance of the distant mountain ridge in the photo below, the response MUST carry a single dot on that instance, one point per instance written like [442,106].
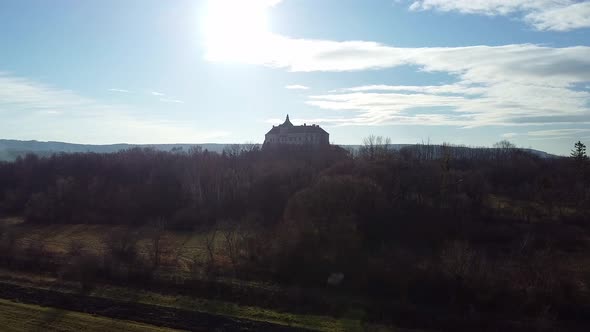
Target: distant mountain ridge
[11,149]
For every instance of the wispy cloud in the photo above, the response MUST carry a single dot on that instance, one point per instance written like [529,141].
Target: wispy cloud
[458,88]
[494,85]
[166,99]
[30,109]
[556,15]
[119,90]
[509,135]
[296,87]
[18,94]
[500,103]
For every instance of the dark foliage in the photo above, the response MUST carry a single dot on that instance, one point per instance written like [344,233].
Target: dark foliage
[448,230]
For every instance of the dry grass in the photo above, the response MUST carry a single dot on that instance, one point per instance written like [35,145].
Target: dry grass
[185,247]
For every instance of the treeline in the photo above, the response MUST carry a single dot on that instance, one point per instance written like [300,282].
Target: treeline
[187,188]
[198,188]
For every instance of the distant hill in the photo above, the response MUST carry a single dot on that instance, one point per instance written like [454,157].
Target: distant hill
[11,149]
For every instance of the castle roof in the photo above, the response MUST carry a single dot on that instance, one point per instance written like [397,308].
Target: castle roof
[287,122]
[291,129]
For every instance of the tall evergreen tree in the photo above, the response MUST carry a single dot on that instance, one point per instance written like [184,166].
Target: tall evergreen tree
[579,152]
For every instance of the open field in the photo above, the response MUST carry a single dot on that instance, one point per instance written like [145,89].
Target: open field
[186,247]
[17,317]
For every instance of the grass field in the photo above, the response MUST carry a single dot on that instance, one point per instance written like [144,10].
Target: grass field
[56,239]
[19,317]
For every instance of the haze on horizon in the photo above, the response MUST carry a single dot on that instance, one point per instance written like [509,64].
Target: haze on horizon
[224,71]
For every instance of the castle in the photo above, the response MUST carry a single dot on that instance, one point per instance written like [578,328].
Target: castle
[287,133]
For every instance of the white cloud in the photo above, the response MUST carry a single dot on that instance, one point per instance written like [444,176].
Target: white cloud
[485,7]
[509,135]
[165,99]
[575,16]
[496,85]
[524,60]
[501,103]
[296,87]
[32,110]
[119,90]
[518,84]
[459,88]
[557,15]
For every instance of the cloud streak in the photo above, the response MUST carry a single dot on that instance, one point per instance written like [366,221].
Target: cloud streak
[555,15]
[165,99]
[119,90]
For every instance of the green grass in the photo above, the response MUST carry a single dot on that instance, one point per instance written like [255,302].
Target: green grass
[24,317]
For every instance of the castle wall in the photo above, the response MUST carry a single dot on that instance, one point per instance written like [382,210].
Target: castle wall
[297,138]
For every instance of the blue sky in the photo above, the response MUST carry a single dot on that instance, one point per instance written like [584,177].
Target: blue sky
[141,71]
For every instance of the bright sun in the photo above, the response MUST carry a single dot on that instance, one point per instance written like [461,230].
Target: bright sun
[233,26]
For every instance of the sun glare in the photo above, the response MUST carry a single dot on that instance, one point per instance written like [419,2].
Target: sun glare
[232,26]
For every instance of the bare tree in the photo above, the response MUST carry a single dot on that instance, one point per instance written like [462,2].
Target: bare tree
[368,148]
[249,147]
[210,246]
[375,147]
[232,150]
[231,245]
[504,149]
[159,245]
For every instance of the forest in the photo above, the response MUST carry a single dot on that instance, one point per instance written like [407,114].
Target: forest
[427,236]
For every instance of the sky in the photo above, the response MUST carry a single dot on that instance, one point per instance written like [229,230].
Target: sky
[470,72]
